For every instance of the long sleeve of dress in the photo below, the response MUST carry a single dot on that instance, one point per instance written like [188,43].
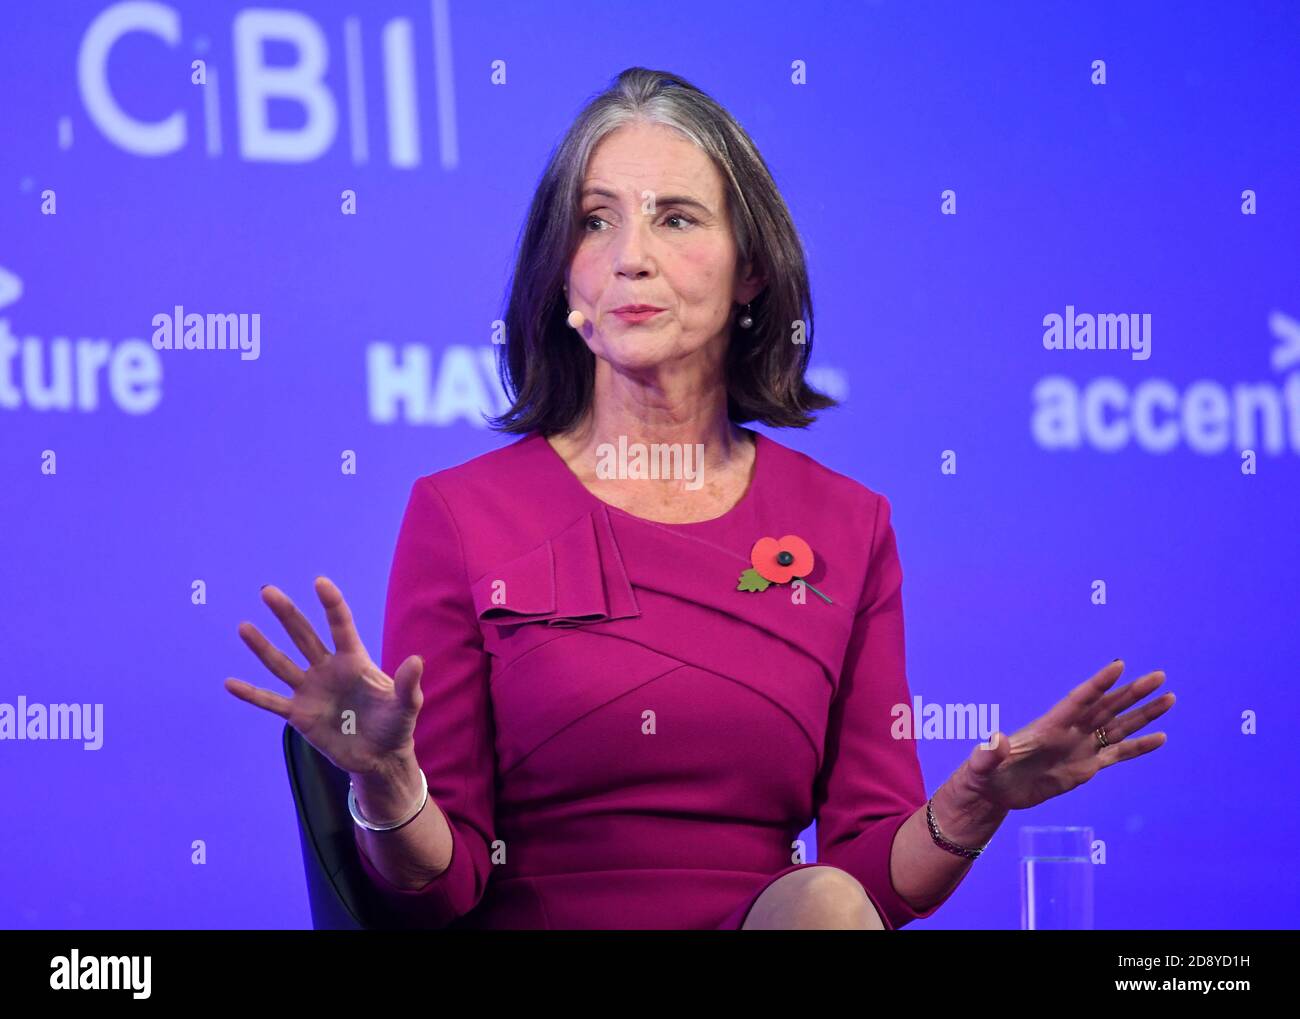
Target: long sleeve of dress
[429,612]
[870,782]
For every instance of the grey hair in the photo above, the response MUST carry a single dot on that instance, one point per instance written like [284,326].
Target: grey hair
[547,370]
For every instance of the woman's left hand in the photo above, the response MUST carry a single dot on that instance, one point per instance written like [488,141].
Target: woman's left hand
[1060,750]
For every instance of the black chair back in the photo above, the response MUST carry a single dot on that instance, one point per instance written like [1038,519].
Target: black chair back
[338,889]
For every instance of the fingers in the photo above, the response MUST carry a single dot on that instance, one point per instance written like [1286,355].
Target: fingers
[339,616]
[1117,729]
[295,624]
[991,754]
[406,681]
[265,699]
[1084,698]
[272,657]
[1125,725]
[1130,749]
[1122,699]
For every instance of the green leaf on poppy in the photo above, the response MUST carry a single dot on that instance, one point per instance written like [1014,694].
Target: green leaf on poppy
[752,580]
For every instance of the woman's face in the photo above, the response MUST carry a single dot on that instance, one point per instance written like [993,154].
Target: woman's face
[656,231]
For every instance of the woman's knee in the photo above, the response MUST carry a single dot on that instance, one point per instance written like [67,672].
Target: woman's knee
[821,897]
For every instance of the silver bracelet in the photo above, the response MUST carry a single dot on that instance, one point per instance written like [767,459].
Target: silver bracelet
[356,814]
[970,852]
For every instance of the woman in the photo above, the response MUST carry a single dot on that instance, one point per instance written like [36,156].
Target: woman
[616,701]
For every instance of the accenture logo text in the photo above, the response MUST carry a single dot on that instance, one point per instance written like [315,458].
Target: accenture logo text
[1207,416]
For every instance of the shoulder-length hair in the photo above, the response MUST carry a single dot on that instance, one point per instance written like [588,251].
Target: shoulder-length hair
[545,367]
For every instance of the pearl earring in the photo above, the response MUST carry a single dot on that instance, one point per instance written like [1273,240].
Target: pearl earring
[746,320]
[575,317]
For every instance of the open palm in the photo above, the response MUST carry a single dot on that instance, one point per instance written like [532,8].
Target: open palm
[1060,750]
[343,703]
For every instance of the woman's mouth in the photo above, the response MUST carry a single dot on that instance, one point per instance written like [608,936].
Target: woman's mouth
[637,312]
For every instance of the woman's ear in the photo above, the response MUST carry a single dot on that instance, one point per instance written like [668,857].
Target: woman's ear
[749,284]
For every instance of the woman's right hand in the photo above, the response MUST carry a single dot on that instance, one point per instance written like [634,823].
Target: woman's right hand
[377,735]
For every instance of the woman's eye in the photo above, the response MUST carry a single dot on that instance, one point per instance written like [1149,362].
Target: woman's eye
[593,218]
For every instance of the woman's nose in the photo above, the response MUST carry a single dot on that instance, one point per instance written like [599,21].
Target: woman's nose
[632,254]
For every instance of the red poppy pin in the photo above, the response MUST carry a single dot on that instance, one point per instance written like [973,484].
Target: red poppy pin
[779,562]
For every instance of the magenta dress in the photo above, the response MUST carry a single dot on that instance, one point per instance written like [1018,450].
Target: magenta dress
[617,736]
